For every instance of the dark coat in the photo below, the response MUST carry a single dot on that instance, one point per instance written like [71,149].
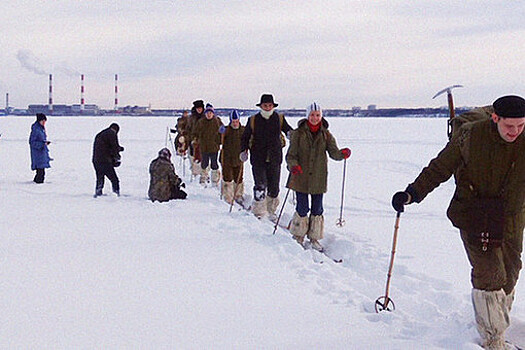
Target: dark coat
[192,122]
[231,146]
[309,151]
[207,133]
[106,147]
[39,151]
[482,164]
[266,145]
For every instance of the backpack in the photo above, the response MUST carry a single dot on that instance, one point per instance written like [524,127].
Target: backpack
[480,113]
[252,126]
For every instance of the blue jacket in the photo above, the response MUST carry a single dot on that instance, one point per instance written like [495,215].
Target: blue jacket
[39,151]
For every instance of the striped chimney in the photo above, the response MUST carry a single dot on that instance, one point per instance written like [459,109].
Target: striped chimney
[50,105]
[81,92]
[116,91]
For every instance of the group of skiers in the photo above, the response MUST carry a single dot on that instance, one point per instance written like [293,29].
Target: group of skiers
[484,154]
[261,141]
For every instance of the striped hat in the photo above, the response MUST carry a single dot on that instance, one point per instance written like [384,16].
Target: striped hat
[313,107]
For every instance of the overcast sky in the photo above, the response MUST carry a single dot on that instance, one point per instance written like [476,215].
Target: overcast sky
[339,53]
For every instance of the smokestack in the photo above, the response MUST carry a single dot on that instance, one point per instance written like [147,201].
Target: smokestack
[116,92]
[50,106]
[81,92]
[7,102]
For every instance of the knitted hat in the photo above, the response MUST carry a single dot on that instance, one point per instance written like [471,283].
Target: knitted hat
[209,108]
[115,127]
[510,107]
[313,107]
[165,153]
[234,115]
[40,117]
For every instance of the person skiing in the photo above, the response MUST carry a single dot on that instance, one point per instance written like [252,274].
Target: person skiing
[307,162]
[38,146]
[206,133]
[486,159]
[106,156]
[263,138]
[164,183]
[232,167]
[197,113]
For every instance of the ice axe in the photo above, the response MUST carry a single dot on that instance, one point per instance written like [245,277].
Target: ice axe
[384,303]
[452,114]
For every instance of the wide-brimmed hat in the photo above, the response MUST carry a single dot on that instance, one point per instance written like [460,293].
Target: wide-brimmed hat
[266,98]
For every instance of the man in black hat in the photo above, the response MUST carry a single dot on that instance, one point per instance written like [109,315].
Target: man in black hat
[262,136]
[106,156]
[197,113]
[38,145]
[486,158]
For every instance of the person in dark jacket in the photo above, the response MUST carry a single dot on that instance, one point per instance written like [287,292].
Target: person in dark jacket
[106,156]
[164,183]
[232,167]
[486,159]
[38,145]
[308,165]
[206,132]
[197,113]
[264,142]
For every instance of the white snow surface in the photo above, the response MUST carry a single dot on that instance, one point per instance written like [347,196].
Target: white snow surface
[84,272]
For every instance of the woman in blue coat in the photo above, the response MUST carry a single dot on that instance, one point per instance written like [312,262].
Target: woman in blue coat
[38,145]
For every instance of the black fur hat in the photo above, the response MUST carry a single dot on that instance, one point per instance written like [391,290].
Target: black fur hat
[510,106]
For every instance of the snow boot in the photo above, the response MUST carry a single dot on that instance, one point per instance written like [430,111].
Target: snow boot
[316,231]
[215,177]
[239,192]
[204,176]
[259,208]
[299,227]
[271,206]
[227,191]
[492,317]
[509,299]
[195,167]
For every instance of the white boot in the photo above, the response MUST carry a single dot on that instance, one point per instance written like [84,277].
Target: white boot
[509,299]
[195,167]
[316,231]
[259,208]
[492,317]
[239,192]
[215,177]
[271,205]
[299,227]
[227,191]
[204,176]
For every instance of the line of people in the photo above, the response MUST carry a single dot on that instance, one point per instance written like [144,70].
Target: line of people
[261,141]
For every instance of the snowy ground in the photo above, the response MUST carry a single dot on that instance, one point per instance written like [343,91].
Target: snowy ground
[79,272]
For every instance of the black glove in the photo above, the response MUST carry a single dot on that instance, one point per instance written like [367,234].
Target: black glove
[399,200]
[183,185]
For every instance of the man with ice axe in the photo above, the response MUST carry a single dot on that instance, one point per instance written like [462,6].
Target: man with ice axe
[486,158]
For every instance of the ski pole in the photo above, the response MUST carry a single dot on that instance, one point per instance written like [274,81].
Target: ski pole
[341,222]
[382,303]
[281,211]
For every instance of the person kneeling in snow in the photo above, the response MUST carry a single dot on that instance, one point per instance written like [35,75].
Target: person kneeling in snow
[164,183]
[307,163]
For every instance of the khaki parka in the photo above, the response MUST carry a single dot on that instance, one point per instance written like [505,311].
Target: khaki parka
[309,151]
[207,133]
[482,164]
[231,147]
[162,179]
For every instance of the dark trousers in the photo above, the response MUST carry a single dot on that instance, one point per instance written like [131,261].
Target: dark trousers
[208,158]
[266,178]
[232,173]
[302,206]
[39,177]
[102,170]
